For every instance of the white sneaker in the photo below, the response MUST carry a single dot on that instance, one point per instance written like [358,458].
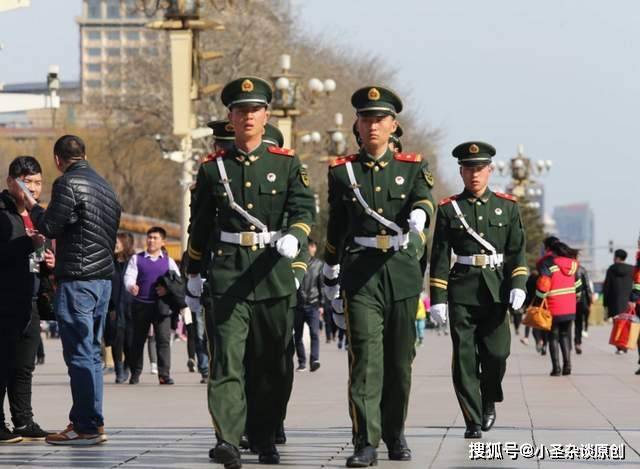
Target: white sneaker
[585,334]
[524,340]
[154,368]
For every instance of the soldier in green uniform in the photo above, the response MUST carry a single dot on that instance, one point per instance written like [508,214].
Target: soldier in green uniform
[242,196]
[484,231]
[380,205]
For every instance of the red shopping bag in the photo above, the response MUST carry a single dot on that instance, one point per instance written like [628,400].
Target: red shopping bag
[625,331]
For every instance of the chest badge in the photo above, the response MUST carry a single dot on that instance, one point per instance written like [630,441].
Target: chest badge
[271,177]
[498,211]
[399,180]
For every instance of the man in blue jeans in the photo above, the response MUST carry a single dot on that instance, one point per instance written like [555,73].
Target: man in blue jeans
[83,216]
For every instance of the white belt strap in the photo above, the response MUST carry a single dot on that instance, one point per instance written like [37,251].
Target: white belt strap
[250,238]
[398,241]
[493,258]
[237,208]
[478,260]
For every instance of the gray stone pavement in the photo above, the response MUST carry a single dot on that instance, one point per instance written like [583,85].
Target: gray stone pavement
[150,426]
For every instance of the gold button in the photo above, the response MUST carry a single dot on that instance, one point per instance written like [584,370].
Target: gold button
[376,168]
[252,227]
[481,251]
[482,235]
[378,188]
[383,232]
[246,163]
[499,224]
[480,217]
[384,250]
[219,252]
[380,210]
[353,199]
[402,196]
[254,248]
[249,205]
[478,203]
[273,191]
[247,184]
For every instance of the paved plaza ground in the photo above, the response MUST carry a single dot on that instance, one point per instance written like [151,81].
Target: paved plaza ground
[151,426]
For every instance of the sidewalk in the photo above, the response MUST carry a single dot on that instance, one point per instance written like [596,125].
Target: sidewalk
[151,426]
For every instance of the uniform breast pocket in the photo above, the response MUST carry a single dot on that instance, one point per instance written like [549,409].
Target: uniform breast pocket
[499,228]
[272,195]
[456,229]
[398,195]
[220,195]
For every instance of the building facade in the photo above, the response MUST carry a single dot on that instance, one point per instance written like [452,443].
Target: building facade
[112,36]
[575,226]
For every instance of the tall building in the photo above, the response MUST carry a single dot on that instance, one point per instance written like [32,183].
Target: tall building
[575,226]
[112,35]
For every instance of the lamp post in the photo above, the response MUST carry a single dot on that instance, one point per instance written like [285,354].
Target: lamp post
[334,142]
[288,92]
[523,172]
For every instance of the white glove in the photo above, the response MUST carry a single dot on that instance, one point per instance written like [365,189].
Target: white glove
[194,284]
[516,298]
[417,219]
[439,313]
[287,246]
[297,283]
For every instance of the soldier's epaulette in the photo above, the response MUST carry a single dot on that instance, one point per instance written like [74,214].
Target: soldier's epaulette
[212,156]
[447,200]
[408,157]
[502,195]
[342,160]
[281,151]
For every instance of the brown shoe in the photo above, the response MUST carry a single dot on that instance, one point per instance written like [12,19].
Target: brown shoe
[69,437]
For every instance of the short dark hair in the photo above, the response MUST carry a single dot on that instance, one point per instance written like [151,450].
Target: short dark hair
[550,241]
[621,254]
[311,241]
[69,147]
[24,166]
[157,229]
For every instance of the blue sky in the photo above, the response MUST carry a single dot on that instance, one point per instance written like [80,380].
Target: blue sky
[562,77]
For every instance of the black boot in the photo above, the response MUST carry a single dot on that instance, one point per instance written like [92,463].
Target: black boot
[473,431]
[565,347]
[364,456]
[227,454]
[281,436]
[120,378]
[268,455]
[399,450]
[555,359]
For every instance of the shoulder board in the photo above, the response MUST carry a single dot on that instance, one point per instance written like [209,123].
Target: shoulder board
[447,200]
[502,195]
[212,156]
[342,160]
[408,157]
[280,151]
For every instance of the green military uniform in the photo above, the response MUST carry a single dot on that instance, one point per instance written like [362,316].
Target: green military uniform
[478,295]
[380,284]
[251,283]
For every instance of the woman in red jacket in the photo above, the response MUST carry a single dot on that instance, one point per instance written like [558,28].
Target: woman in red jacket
[557,283]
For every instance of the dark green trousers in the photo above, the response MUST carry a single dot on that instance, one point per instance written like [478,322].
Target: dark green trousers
[481,344]
[382,337]
[248,343]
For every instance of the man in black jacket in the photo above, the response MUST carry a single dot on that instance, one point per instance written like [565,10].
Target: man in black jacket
[22,255]
[83,216]
[617,284]
[308,309]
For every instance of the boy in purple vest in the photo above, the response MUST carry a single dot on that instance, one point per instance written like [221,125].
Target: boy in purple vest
[141,278]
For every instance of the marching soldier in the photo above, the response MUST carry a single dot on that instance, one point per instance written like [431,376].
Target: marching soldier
[380,205]
[242,196]
[484,230]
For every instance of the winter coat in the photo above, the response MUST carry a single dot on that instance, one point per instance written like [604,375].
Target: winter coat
[617,288]
[557,283]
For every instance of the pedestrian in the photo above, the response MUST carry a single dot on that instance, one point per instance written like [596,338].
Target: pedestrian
[557,284]
[24,257]
[149,308]
[83,216]
[196,335]
[120,308]
[484,230]
[242,195]
[584,298]
[634,298]
[308,310]
[618,283]
[421,319]
[380,205]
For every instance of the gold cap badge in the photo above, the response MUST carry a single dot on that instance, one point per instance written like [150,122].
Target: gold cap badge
[247,86]
[474,149]
[228,127]
[374,94]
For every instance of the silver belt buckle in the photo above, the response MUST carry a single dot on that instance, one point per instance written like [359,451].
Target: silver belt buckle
[383,241]
[480,260]
[247,238]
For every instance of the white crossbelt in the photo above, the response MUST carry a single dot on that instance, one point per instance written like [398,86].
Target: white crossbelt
[478,260]
[250,238]
[400,240]
[261,240]
[494,259]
